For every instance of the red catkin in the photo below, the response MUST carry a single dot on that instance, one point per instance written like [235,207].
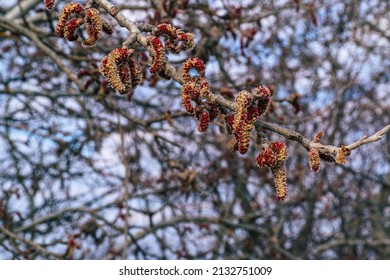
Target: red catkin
[204,120]
[192,63]
[67,10]
[158,54]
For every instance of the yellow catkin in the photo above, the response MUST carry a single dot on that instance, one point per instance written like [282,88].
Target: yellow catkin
[109,67]
[113,75]
[166,29]
[244,140]
[93,25]
[279,173]
[278,169]
[241,110]
[136,73]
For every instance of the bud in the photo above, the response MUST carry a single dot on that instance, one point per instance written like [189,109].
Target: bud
[314,160]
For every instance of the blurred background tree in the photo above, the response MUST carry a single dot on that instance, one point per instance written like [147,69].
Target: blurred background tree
[86,174]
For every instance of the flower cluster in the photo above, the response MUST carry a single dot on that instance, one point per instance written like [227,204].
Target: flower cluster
[185,41]
[93,25]
[197,90]
[274,156]
[90,18]
[249,107]
[341,155]
[177,40]
[66,12]
[123,73]
[49,4]
[204,112]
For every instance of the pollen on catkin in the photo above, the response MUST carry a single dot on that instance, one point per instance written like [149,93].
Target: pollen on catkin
[183,42]
[71,28]
[243,141]
[189,92]
[205,91]
[186,101]
[280,180]
[187,40]
[280,150]
[274,156]
[125,77]
[136,77]
[242,101]
[193,90]
[65,13]
[266,157]
[158,56]
[109,67]
[192,63]
[136,73]
[167,30]
[93,25]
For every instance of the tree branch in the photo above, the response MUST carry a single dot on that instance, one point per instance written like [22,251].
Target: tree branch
[37,247]
[287,133]
[369,139]
[33,37]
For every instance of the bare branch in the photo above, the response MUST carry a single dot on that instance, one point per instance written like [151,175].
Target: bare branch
[36,246]
[369,139]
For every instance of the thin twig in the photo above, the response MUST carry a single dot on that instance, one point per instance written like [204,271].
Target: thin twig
[369,139]
[36,246]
